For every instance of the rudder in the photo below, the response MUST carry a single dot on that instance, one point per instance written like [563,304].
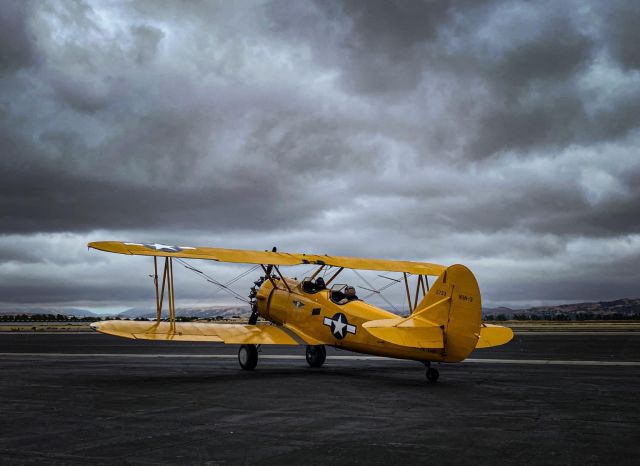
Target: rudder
[455,305]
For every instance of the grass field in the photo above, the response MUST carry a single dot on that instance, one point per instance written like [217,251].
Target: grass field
[44,327]
[577,326]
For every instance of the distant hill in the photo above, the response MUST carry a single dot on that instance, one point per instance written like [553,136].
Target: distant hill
[507,311]
[623,307]
[204,313]
[199,312]
[626,307]
[50,310]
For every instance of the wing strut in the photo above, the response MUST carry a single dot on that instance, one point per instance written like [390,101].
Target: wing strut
[418,285]
[267,273]
[155,284]
[318,270]
[406,285]
[282,278]
[172,298]
[167,279]
[334,276]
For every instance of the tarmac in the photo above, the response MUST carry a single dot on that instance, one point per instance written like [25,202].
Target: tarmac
[544,398]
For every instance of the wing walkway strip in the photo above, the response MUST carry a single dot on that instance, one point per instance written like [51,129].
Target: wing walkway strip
[550,362]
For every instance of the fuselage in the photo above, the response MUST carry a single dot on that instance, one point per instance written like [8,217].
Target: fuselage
[319,320]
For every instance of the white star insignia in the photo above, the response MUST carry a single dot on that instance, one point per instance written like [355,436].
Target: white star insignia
[339,326]
[163,247]
[160,247]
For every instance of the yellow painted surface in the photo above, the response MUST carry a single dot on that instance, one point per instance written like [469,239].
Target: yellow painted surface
[197,331]
[266,257]
[418,337]
[494,335]
[444,327]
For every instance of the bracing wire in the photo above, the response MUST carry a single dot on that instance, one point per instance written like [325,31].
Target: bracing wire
[223,286]
[374,291]
[379,290]
[307,271]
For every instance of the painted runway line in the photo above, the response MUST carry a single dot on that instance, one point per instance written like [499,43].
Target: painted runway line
[626,333]
[532,333]
[541,362]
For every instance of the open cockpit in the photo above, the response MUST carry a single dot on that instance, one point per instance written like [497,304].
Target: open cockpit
[343,293]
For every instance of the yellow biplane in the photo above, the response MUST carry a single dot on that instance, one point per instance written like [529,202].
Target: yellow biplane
[444,324]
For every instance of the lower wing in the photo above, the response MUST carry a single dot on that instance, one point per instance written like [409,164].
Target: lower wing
[192,331]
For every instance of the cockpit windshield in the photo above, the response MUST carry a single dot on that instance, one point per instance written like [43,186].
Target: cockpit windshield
[343,293]
[311,286]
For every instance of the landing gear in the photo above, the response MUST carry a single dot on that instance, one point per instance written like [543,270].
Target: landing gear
[316,355]
[253,318]
[248,357]
[432,374]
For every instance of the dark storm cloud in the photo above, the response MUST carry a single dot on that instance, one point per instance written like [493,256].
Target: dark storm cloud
[147,40]
[50,189]
[81,96]
[529,70]
[545,64]
[32,291]
[621,28]
[497,133]
[17,48]
[65,202]
[379,46]
[385,48]
[58,198]
[555,51]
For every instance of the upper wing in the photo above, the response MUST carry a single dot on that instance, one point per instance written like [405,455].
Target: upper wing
[194,331]
[265,257]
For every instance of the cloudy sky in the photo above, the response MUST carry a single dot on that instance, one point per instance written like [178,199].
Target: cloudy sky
[497,134]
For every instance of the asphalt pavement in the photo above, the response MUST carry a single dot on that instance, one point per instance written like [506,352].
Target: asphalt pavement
[542,399]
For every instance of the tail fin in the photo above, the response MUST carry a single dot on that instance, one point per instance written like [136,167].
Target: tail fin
[453,303]
[448,318]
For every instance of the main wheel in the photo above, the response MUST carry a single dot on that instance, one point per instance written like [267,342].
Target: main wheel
[432,375]
[248,357]
[316,355]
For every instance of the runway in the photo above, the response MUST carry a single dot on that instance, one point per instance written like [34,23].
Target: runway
[330,358]
[90,398]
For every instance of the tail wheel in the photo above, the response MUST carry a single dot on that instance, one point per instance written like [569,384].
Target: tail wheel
[316,355]
[248,357]
[432,375]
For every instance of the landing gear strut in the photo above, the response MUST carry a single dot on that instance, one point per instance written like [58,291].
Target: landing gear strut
[432,374]
[316,355]
[248,357]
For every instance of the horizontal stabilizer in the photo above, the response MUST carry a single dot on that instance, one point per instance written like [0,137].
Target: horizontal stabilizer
[196,331]
[493,335]
[402,332]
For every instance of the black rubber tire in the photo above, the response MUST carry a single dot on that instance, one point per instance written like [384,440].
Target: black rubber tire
[432,375]
[248,357]
[316,355]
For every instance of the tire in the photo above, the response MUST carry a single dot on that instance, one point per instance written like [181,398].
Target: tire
[316,355]
[248,357]
[432,375]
